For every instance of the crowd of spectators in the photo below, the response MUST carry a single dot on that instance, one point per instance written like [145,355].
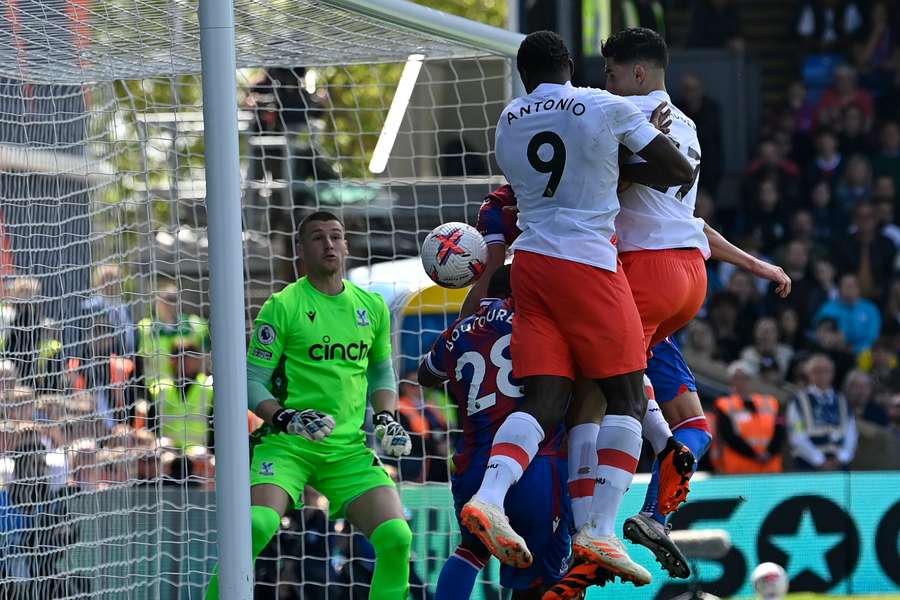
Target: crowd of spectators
[88,402]
[818,197]
[100,401]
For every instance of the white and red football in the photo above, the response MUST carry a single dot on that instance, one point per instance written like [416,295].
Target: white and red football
[454,255]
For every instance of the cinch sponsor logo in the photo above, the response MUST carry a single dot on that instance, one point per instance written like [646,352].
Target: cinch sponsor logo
[338,351]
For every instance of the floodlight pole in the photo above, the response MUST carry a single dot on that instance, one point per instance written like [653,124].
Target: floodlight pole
[226,277]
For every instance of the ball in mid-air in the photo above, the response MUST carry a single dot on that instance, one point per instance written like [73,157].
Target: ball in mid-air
[454,255]
[770,582]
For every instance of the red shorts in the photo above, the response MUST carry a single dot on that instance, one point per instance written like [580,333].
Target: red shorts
[571,317]
[669,287]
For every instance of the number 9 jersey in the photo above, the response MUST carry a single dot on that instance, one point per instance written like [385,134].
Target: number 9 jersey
[473,356]
[559,149]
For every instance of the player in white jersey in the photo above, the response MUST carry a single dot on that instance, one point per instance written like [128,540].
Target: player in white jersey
[559,149]
[658,233]
[663,247]
[658,218]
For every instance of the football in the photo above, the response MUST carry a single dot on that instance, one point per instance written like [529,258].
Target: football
[454,255]
[769,581]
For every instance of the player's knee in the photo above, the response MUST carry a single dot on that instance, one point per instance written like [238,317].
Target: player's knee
[625,395]
[393,536]
[546,399]
[549,416]
[686,404]
[694,432]
[707,440]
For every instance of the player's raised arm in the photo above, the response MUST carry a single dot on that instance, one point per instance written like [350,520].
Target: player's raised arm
[497,226]
[721,249]
[496,256]
[664,165]
[433,370]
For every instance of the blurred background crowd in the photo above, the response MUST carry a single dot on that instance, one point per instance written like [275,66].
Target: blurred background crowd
[818,197]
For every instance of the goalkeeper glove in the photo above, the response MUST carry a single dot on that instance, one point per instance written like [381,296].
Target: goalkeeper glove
[309,423]
[394,439]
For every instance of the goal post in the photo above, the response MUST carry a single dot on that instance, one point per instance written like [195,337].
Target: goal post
[148,208]
[226,278]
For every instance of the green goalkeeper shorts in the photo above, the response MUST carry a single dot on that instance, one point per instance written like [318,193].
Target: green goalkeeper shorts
[340,474]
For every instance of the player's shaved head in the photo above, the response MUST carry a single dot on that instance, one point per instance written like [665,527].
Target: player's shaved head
[318,216]
[543,57]
[500,285]
[637,44]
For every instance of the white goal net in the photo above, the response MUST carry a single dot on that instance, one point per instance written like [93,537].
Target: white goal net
[107,458]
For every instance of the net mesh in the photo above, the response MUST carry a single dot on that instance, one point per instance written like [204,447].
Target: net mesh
[108,458]
[78,41]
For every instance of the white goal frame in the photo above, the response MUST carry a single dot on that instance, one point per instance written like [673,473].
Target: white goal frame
[226,270]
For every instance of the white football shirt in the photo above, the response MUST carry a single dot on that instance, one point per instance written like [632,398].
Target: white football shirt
[654,218]
[559,149]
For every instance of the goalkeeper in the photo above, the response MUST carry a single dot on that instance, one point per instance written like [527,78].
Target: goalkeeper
[320,346]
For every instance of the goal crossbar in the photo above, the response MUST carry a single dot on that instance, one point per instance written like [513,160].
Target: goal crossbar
[431,21]
[99,41]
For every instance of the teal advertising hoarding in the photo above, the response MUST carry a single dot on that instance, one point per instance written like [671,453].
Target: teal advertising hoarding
[834,532]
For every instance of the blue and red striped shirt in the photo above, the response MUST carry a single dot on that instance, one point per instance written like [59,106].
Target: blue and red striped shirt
[473,356]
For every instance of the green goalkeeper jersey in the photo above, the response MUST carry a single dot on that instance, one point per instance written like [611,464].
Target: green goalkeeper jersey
[320,347]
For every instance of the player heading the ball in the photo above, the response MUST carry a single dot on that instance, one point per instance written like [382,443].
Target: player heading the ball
[574,309]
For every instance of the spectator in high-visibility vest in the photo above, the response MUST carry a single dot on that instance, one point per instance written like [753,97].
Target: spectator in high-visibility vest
[427,428]
[822,427]
[750,430]
[158,333]
[183,404]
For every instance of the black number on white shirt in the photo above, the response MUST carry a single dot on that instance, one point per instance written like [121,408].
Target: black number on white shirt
[557,163]
[683,190]
[504,371]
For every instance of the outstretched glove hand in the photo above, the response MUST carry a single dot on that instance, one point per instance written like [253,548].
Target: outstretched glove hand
[394,439]
[309,423]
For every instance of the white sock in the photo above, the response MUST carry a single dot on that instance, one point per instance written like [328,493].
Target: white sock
[582,469]
[655,428]
[515,444]
[618,452]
